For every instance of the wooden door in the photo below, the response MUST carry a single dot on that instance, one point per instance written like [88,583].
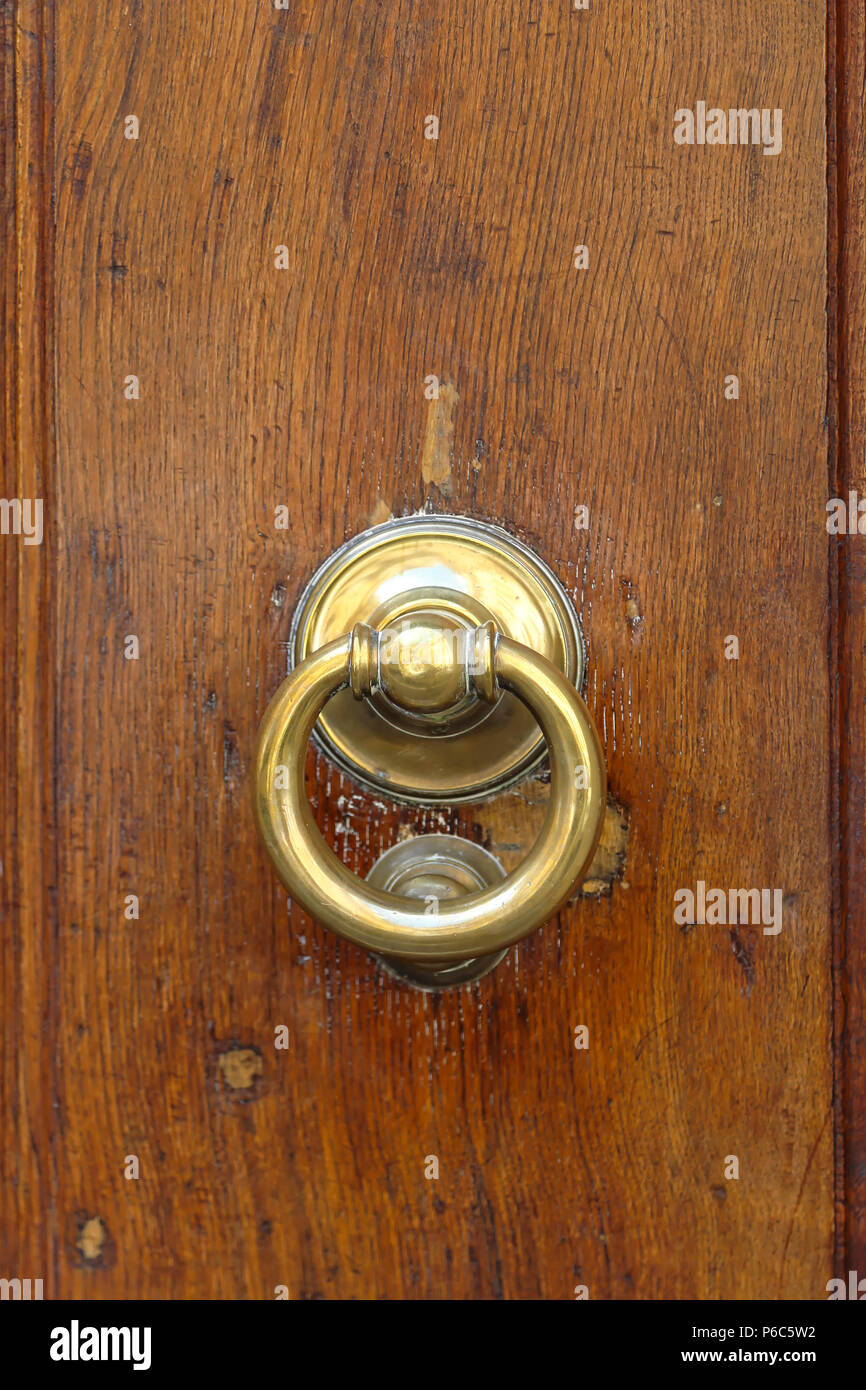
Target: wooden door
[241,240]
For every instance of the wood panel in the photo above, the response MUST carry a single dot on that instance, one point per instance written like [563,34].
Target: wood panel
[847,409]
[304,387]
[29,976]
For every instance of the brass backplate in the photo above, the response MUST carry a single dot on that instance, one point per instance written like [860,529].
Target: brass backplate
[473,573]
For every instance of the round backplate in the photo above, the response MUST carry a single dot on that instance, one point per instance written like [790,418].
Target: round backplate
[379,575]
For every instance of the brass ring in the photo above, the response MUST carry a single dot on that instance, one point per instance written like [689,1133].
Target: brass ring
[398,927]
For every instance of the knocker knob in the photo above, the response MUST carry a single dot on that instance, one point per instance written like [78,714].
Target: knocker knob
[428,664]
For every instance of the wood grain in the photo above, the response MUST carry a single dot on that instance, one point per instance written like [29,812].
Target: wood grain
[305,387]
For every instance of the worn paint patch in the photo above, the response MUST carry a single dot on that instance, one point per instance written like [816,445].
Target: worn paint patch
[91,1240]
[633,608]
[512,823]
[380,513]
[239,1068]
[608,862]
[438,451]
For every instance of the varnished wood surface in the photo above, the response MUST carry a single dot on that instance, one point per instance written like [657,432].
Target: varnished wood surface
[847,411]
[305,388]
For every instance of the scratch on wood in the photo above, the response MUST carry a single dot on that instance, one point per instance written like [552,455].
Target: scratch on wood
[744,956]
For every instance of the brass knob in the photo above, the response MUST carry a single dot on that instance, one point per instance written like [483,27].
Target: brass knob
[424,667]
